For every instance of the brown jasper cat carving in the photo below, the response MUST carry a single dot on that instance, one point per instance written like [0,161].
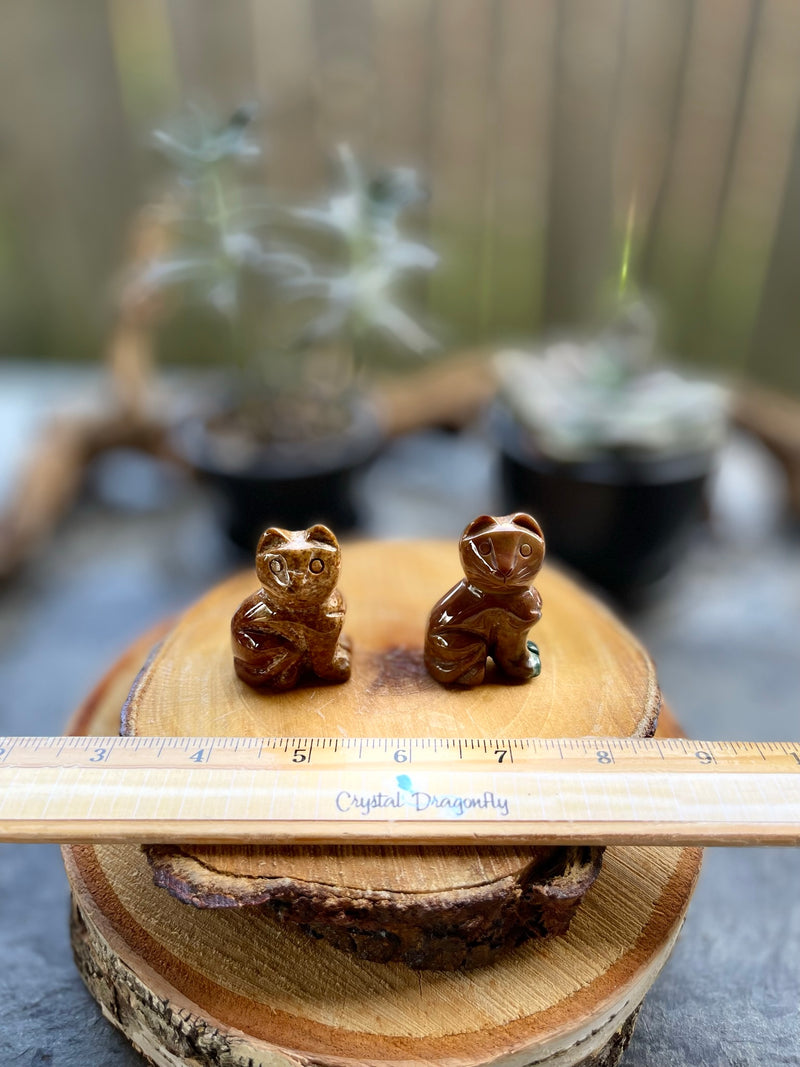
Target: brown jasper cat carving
[491,610]
[292,625]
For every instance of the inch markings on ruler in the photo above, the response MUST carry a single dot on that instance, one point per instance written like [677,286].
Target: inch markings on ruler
[406,790]
[260,752]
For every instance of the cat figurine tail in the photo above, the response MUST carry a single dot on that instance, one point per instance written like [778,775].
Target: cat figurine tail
[490,611]
[292,626]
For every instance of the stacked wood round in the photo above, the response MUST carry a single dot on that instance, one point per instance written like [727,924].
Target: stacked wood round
[238,980]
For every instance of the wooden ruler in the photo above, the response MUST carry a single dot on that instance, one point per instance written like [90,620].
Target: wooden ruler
[300,790]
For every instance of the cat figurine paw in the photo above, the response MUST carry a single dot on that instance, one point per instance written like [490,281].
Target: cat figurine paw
[293,624]
[490,611]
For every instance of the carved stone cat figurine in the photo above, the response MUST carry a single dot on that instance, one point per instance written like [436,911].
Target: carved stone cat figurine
[292,625]
[491,610]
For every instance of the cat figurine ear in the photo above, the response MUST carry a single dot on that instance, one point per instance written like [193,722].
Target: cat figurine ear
[489,612]
[292,626]
[269,542]
[323,535]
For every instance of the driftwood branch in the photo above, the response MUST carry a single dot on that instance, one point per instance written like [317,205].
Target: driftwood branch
[50,480]
[775,420]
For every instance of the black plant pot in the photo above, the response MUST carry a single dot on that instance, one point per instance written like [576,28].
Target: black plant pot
[622,521]
[291,484]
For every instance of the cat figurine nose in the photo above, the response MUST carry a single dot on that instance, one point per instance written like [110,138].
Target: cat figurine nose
[504,564]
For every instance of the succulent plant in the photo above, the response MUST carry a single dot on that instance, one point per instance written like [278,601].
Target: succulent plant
[360,297]
[257,262]
[217,223]
[579,400]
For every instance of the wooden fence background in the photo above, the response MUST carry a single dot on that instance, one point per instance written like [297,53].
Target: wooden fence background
[540,125]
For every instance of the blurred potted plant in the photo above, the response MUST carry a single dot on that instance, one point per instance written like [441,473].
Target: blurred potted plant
[294,426]
[610,447]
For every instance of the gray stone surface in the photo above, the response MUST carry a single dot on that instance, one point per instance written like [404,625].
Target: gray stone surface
[724,633]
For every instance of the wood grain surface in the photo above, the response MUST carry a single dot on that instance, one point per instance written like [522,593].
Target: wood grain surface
[596,678]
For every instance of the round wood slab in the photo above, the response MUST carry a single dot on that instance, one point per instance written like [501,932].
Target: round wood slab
[596,678]
[431,908]
[236,987]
